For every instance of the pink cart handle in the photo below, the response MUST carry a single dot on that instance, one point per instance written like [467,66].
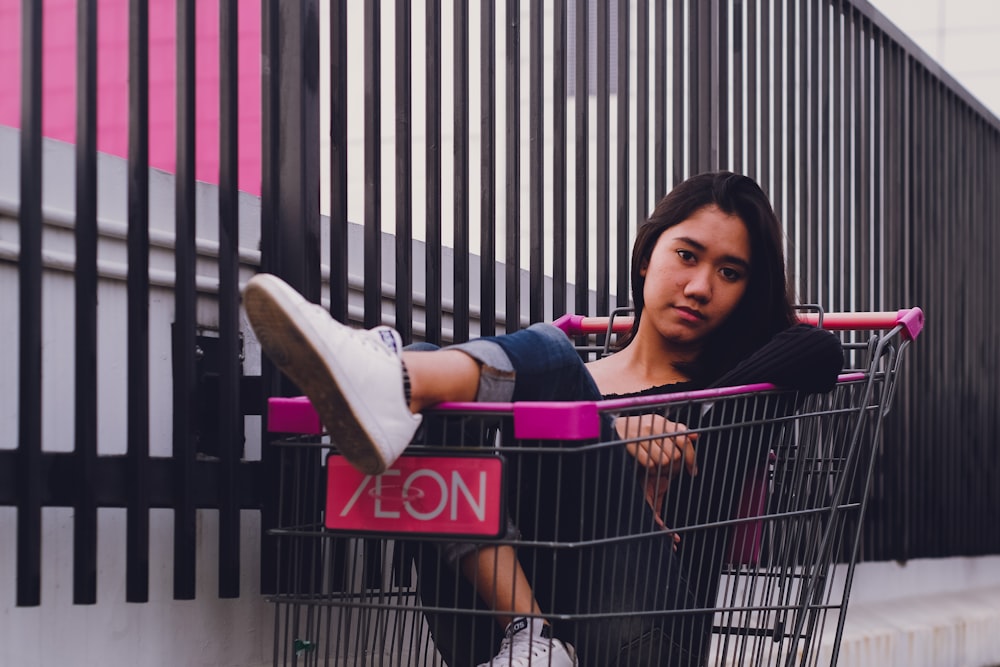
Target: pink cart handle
[911,319]
[580,419]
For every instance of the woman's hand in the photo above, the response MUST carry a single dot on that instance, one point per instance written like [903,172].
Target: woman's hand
[663,455]
[658,443]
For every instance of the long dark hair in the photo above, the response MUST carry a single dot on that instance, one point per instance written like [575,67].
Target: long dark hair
[766,307]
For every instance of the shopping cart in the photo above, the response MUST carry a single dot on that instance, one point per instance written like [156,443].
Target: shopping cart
[768,530]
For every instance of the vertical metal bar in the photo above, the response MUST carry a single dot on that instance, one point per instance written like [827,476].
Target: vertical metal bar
[487,317]
[270,103]
[933,262]
[559,163]
[338,161]
[943,207]
[85,331]
[678,96]
[701,108]
[404,175]
[806,150]
[461,219]
[954,204]
[622,142]
[963,199]
[862,82]
[827,224]
[851,147]
[432,249]
[603,203]
[842,204]
[793,134]
[137,514]
[753,91]
[297,212]
[877,173]
[536,166]
[373,163]
[29,449]
[513,178]
[918,207]
[912,150]
[739,78]
[991,323]
[884,195]
[270,572]
[779,52]
[794,131]
[642,57]
[764,175]
[184,385]
[719,137]
[837,180]
[581,187]
[888,181]
[904,137]
[935,175]
[811,195]
[290,238]
[230,413]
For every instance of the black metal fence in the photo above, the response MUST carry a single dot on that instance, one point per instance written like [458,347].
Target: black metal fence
[882,167]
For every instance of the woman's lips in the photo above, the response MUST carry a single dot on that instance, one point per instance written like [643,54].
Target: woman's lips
[690,314]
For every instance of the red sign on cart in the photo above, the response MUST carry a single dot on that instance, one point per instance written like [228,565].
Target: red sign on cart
[439,495]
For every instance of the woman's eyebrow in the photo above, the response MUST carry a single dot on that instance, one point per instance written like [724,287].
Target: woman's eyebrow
[697,245]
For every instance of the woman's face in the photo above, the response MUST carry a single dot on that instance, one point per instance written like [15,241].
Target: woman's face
[695,277]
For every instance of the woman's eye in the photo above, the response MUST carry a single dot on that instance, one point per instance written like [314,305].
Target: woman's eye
[731,275]
[686,255]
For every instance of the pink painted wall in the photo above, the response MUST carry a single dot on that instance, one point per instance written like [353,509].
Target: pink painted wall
[59,81]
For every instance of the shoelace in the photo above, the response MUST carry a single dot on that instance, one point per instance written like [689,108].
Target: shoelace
[374,341]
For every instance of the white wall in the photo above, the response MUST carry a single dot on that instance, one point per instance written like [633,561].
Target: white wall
[961,35]
[207,630]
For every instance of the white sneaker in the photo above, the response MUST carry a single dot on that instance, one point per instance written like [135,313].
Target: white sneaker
[529,643]
[353,377]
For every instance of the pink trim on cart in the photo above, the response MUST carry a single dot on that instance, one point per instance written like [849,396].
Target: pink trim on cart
[911,319]
[581,420]
[535,420]
[292,415]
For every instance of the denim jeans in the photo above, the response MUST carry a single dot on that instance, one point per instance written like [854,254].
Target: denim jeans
[535,364]
[569,498]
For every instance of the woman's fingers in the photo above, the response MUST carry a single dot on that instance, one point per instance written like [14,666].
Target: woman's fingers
[656,491]
[690,457]
[653,447]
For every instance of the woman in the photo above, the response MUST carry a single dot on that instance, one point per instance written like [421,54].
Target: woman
[711,306]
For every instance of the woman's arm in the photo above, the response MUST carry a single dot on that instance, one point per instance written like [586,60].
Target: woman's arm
[801,357]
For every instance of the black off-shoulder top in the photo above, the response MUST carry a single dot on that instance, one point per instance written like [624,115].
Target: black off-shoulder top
[802,358]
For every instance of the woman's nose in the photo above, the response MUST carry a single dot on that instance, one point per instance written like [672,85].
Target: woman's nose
[699,286]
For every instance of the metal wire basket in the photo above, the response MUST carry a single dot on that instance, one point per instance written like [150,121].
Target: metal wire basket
[745,564]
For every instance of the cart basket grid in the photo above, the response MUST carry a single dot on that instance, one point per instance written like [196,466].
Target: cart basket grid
[743,563]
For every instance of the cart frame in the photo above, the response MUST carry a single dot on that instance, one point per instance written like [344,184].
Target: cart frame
[791,533]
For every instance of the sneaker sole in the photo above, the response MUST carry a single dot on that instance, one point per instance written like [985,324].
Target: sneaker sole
[285,338]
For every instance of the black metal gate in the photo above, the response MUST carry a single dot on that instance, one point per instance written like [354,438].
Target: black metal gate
[882,166]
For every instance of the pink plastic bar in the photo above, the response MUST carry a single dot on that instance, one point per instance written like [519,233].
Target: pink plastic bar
[292,415]
[544,420]
[533,420]
[911,319]
[581,420]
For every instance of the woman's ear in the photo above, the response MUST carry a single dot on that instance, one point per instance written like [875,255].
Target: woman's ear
[643,268]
